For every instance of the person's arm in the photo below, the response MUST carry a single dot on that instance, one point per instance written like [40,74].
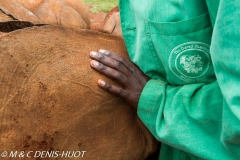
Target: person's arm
[225,51]
[203,119]
[186,117]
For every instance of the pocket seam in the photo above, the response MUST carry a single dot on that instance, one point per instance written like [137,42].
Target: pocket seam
[181,34]
[180,27]
[153,51]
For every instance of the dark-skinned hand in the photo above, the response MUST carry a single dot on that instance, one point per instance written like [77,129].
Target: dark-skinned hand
[124,72]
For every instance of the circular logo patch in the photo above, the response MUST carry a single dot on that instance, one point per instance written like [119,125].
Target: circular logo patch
[190,61]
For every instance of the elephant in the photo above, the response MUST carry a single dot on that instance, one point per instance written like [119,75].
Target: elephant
[50,101]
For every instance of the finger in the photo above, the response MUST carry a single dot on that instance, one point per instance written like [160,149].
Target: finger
[119,58]
[110,62]
[109,72]
[113,89]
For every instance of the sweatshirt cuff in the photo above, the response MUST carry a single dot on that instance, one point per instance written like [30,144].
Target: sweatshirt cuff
[150,103]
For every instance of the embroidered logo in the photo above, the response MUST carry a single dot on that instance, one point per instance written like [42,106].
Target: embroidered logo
[190,61]
[192,64]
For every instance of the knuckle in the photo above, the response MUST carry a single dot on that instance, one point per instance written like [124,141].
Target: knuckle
[102,67]
[119,76]
[123,59]
[108,53]
[101,57]
[134,70]
[108,86]
[127,94]
[121,92]
[117,64]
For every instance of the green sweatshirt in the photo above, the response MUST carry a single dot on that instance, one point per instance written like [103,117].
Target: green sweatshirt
[190,50]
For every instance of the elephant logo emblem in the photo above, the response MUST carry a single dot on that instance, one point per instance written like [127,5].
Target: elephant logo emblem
[191,62]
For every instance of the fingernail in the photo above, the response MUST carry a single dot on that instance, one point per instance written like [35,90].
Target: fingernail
[101,82]
[102,50]
[105,52]
[93,53]
[94,63]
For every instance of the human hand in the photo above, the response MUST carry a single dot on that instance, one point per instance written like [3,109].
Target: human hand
[124,72]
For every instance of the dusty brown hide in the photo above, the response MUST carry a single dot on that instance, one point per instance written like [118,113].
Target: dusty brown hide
[113,10]
[50,101]
[68,13]
[112,23]
[4,17]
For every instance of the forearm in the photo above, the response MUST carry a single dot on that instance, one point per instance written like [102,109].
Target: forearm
[186,117]
[225,56]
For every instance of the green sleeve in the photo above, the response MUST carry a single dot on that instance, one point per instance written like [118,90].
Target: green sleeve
[187,117]
[226,60]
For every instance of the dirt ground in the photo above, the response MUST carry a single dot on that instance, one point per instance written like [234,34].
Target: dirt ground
[96,19]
